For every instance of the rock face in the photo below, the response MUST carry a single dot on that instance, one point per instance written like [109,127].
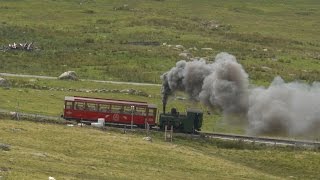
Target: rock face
[3,82]
[69,75]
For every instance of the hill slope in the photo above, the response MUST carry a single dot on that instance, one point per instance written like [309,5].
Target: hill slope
[107,39]
[42,150]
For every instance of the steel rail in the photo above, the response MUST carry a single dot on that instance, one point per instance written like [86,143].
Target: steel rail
[259,139]
[224,136]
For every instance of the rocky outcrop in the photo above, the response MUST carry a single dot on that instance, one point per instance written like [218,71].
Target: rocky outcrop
[69,75]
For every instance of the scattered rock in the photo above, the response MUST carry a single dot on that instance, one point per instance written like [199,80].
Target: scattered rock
[3,82]
[17,129]
[115,90]
[143,43]
[4,169]
[180,98]
[93,167]
[211,25]
[141,93]
[124,7]
[207,49]
[179,47]
[43,155]
[51,178]
[5,147]
[21,46]
[69,75]
[147,139]
[125,90]
[185,55]
[33,80]
[193,49]
[266,68]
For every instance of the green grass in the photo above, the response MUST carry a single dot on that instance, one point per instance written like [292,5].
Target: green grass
[92,37]
[34,96]
[38,151]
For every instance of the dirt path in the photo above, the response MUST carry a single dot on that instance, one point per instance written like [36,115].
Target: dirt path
[99,81]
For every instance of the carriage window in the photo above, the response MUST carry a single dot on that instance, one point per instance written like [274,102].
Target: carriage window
[152,112]
[79,106]
[128,109]
[104,107]
[117,109]
[140,111]
[91,106]
[69,105]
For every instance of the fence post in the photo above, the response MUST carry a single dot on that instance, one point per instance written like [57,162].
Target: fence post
[165,132]
[125,129]
[170,133]
[148,129]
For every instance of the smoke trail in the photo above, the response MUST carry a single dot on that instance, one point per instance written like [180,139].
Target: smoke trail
[222,84]
[284,108]
[226,87]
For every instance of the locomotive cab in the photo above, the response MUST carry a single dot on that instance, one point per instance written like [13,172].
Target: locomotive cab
[188,123]
[194,120]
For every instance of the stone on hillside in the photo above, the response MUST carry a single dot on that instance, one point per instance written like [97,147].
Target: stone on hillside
[5,147]
[206,49]
[3,82]
[185,55]
[179,47]
[147,138]
[211,25]
[266,68]
[141,93]
[69,75]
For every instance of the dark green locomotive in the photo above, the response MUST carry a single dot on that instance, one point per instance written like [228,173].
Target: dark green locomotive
[187,123]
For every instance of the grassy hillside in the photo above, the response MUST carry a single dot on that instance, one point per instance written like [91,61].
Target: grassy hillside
[38,151]
[121,40]
[39,96]
[136,41]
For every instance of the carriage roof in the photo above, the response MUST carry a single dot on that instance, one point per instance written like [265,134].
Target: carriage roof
[109,101]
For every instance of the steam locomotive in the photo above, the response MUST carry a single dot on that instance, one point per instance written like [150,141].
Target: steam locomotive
[130,112]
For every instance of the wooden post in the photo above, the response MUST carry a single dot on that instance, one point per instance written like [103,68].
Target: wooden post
[165,133]
[170,133]
[125,129]
[148,129]
[132,108]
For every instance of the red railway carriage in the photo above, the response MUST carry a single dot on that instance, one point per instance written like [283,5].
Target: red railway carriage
[114,111]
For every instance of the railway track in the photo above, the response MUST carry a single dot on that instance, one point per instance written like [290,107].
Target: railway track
[264,140]
[223,136]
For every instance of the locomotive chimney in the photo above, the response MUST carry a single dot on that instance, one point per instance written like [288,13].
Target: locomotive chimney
[164,108]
